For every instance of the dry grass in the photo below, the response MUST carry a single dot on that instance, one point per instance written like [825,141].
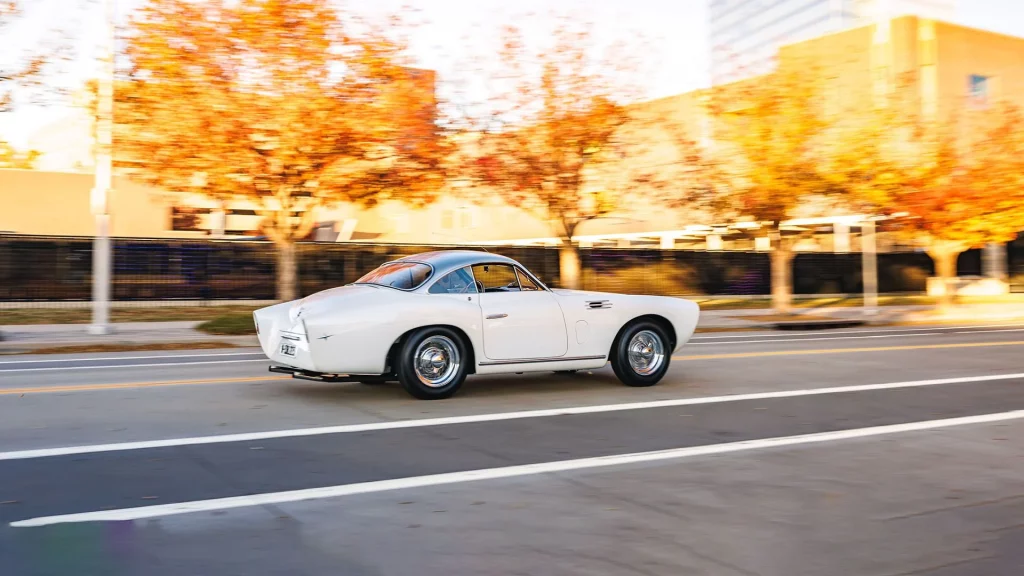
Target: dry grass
[236,324]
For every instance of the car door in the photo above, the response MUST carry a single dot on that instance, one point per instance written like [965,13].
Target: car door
[521,321]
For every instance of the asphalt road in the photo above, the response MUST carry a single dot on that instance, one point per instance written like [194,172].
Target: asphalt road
[889,451]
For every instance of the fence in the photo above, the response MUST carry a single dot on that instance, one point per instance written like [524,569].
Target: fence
[59,269]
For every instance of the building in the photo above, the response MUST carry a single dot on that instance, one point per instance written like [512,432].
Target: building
[952,63]
[949,66]
[746,35]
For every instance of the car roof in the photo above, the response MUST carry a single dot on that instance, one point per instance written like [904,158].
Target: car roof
[444,260]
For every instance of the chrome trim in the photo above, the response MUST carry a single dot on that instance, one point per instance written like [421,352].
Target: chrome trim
[496,316]
[598,304]
[523,269]
[436,361]
[292,338]
[645,352]
[539,360]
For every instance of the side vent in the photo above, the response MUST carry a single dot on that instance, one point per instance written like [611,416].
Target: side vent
[598,304]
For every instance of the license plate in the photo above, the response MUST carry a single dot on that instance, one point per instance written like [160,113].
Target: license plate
[288,349]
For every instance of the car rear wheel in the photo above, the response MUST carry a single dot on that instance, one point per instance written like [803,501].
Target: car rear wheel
[431,363]
[641,354]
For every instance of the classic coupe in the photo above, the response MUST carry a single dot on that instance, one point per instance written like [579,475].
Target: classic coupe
[431,319]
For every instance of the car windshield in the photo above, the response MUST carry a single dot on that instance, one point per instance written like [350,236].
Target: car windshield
[401,275]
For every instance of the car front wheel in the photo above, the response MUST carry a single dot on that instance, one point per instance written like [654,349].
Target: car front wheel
[641,354]
[431,363]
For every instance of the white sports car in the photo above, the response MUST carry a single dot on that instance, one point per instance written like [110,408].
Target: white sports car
[431,319]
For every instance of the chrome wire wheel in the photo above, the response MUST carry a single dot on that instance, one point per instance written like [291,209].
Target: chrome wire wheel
[436,361]
[646,352]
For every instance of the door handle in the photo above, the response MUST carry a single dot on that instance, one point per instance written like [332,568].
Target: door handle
[496,316]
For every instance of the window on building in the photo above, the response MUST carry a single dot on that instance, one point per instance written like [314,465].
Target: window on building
[458,218]
[187,219]
[978,89]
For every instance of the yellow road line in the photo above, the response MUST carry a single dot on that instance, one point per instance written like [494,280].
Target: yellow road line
[124,385]
[845,350]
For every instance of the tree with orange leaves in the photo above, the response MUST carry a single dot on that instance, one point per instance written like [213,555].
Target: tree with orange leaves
[771,137]
[288,103]
[955,180]
[555,131]
[12,158]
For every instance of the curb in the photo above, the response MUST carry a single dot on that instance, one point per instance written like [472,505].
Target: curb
[815,324]
[11,347]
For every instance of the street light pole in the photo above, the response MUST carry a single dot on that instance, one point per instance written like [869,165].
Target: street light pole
[101,251]
[869,254]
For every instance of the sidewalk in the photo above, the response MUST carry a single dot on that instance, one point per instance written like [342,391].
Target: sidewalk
[768,319]
[27,338]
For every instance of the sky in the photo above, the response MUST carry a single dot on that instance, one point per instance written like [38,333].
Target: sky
[674,31]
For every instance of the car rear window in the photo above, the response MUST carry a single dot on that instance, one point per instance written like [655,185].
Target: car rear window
[401,275]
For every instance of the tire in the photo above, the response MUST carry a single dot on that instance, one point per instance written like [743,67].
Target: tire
[440,379]
[652,352]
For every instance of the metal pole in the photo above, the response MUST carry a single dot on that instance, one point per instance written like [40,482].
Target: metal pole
[869,267]
[101,257]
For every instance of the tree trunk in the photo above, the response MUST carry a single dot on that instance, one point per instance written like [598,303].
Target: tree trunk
[782,277]
[287,271]
[569,266]
[945,269]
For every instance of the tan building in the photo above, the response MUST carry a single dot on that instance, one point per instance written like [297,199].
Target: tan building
[951,63]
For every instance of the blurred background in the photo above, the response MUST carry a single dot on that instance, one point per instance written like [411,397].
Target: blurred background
[259,150]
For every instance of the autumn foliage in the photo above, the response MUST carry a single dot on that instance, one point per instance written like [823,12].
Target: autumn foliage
[953,179]
[773,140]
[290,104]
[554,129]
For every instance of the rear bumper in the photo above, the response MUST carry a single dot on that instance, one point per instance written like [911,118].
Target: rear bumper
[282,339]
[301,374]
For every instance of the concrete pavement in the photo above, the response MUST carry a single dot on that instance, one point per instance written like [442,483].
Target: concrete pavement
[940,500]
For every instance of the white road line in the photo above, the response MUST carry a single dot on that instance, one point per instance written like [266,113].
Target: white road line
[967,329]
[108,366]
[821,339]
[492,417]
[987,331]
[129,514]
[109,358]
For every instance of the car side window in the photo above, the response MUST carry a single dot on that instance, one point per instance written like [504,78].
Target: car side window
[525,282]
[457,282]
[496,277]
